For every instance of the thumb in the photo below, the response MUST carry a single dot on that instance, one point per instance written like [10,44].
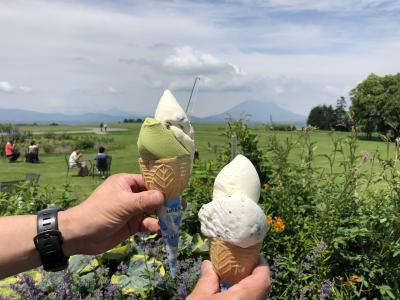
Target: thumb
[208,283]
[144,202]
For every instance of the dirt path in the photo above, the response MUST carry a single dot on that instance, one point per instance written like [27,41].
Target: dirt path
[89,130]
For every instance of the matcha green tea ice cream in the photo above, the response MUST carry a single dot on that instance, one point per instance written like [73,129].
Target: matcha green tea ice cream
[166,149]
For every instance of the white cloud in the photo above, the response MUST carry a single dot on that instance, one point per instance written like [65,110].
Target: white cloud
[112,90]
[5,86]
[334,91]
[279,90]
[26,89]
[188,59]
[341,6]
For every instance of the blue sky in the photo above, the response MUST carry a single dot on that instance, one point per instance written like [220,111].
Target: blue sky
[93,56]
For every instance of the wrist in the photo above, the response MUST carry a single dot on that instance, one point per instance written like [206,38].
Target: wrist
[49,240]
[66,225]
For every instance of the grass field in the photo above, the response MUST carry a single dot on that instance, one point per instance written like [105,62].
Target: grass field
[52,167]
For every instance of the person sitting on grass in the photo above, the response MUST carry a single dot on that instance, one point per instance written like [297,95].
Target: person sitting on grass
[11,151]
[32,155]
[75,162]
[101,160]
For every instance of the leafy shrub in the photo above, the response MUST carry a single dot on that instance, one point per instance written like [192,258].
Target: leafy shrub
[6,127]
[281,127]
[48,146]
[50,135]
[84,143]
[90,141]
[64,136]
[29,197]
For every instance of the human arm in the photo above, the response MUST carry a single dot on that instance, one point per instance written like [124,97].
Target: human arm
[114,211]
[253,287]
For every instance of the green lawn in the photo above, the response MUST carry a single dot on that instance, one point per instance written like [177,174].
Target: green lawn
[53,170]
[125,155]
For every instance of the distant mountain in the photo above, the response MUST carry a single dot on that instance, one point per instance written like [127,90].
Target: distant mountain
[259,112]
[26,116]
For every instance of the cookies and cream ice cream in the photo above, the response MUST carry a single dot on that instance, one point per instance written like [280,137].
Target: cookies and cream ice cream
[233,215]
[233,221]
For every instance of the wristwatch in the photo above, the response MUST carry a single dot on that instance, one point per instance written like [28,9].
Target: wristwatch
[48,240]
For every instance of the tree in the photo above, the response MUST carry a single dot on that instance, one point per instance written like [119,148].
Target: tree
[322,117]
[376,104]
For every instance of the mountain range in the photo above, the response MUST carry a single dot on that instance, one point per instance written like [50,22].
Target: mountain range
[257,112]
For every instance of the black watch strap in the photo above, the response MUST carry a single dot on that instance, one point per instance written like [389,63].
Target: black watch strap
[48,240]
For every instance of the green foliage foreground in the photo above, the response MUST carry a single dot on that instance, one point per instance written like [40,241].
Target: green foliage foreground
[333,234]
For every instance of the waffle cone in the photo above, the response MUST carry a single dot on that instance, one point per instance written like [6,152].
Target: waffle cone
[168,175]
[233,263]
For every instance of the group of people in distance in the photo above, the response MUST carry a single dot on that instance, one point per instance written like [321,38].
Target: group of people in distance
[12,153]
[75,161]
[103,126]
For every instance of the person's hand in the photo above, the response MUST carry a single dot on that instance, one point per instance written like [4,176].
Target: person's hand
[253,287]
[114,211]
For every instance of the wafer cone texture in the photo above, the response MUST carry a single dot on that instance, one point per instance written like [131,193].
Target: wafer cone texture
[168,175]
[233,263]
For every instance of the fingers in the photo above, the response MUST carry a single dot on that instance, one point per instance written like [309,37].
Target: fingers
[256,284]
[144,202]
[208,283]
[134,181]
[150,224]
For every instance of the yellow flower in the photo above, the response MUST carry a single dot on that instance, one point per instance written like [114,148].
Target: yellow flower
[269,219]
[279,225]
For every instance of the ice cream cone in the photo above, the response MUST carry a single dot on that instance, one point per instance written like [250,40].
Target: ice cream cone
[233,263]
[170,176]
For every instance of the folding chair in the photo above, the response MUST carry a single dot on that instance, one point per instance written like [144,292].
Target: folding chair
[9,186]
[103,165]
[32,176]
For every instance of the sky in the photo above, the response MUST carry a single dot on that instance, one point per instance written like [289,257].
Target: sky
[104,56]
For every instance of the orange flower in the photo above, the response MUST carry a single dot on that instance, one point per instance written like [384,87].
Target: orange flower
[269,219]
[279,225]
[354,279]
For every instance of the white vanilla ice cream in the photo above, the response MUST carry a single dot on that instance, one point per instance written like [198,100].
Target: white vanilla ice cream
[234,215]
[173,116]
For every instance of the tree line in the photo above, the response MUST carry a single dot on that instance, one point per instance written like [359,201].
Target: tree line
[325,117]
[375,107]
